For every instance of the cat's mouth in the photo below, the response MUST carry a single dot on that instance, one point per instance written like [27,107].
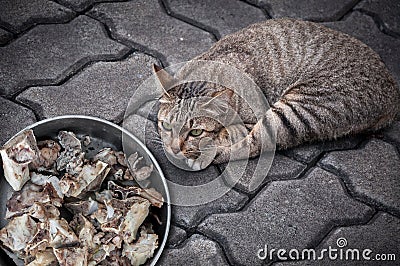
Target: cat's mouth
[186,161]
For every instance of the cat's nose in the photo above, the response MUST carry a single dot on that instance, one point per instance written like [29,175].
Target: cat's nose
[176,145]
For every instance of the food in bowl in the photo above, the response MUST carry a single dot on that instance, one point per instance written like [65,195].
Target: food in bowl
[68,209]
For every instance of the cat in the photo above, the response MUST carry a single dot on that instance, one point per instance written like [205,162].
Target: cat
[321,84]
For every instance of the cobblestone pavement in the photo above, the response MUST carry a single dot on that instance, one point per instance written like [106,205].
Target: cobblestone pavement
[88,56]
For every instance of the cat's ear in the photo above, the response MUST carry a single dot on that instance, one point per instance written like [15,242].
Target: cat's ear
[164,79]
[166,99]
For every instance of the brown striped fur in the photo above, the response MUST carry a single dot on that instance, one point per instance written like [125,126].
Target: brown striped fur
[320,83]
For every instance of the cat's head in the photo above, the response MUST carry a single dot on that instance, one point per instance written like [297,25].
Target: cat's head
[191,115]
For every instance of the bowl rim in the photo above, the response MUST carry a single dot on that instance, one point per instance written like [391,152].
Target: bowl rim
[141,144]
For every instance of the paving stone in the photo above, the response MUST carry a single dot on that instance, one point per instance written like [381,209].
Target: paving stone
[171,172]
[293,263]
[381,236]
[309,152]
[149,110]
[81,5]
[198,250]
[19,15]
[371,173]
[316,10]
[393,133]
[103,89]
[131,123]
[282,168]
[13,118]
[285,214]
[146,24]
[222,16]
[364,28]
[386,11]
[176,236]
[48,53]
[5,36]
[191,216]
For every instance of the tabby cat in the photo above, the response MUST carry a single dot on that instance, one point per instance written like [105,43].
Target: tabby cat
[321,84]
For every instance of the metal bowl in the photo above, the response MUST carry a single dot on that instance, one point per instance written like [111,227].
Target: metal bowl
[102,134]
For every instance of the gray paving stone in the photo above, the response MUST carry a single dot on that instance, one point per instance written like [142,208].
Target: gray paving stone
[309,152]
[386,11]
[149,110]
[171,172]
[285,214]
[198,250]
[19,15]
[13,118]
[102,89]
[316,10]
[176,236]
[392,133]
[293,263]
[48,53]
[364,28]
[222,16]
[190,217]
[371,173]
[81,5]
[146,24]
[131,123]
[5,36]
[282,168]
[381,236]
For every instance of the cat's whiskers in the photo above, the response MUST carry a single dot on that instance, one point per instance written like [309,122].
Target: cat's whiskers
[157,141]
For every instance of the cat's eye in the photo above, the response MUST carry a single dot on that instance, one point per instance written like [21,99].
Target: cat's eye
[196,132]
[166,126]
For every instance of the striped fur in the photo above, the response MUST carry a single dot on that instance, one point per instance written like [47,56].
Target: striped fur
[321,84]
